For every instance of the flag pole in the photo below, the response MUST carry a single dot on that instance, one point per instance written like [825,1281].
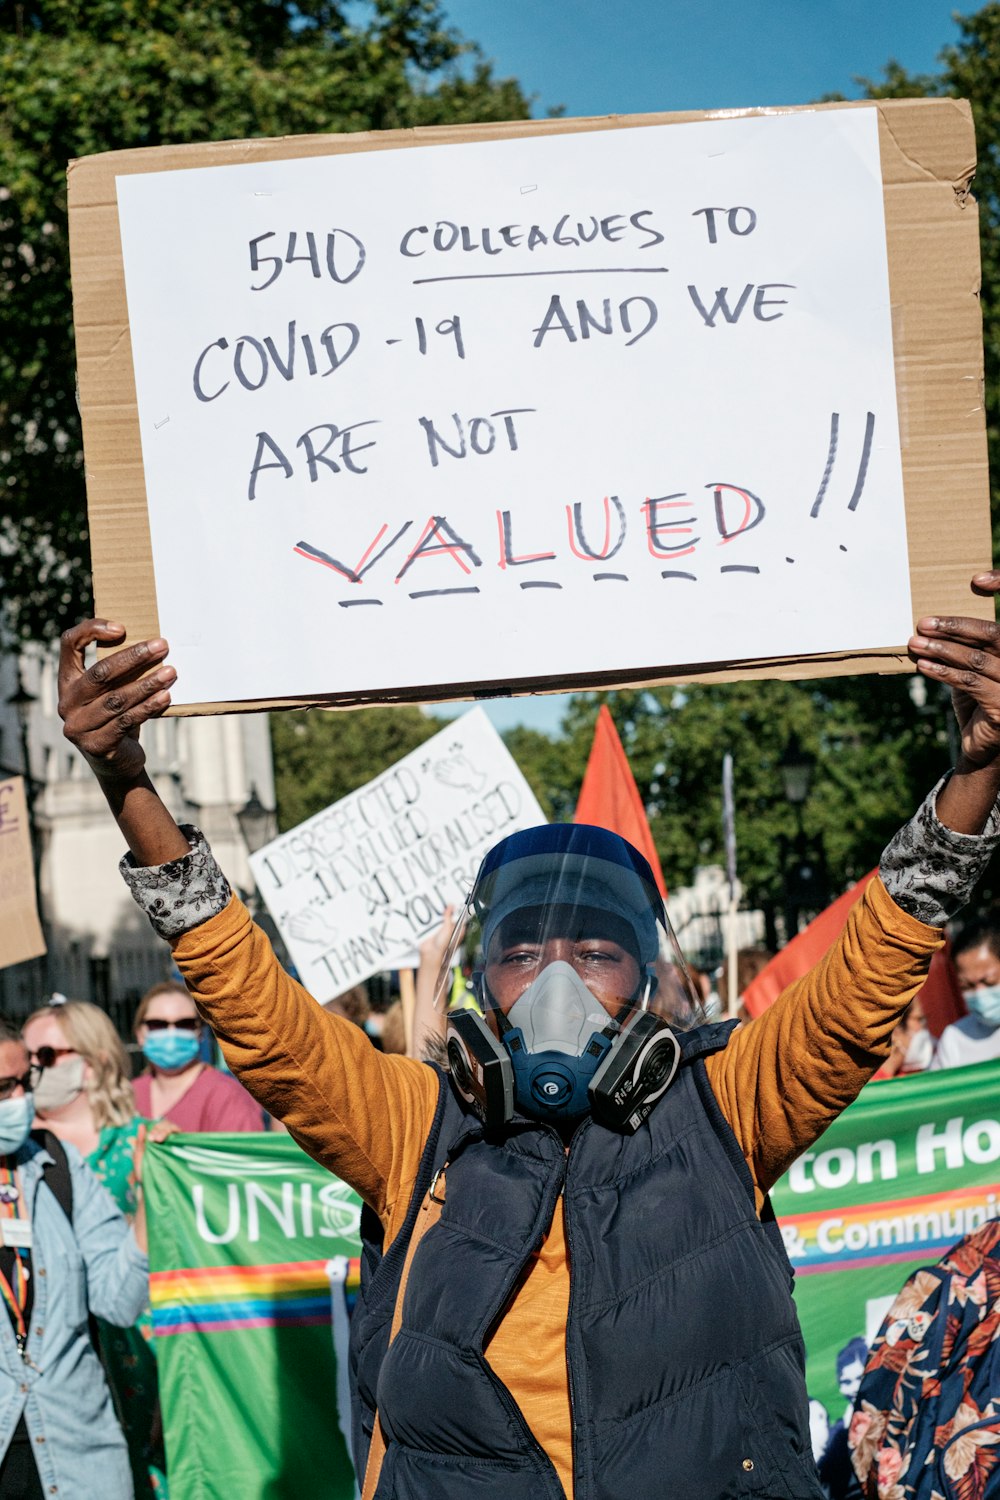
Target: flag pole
[408,999]
[729,839]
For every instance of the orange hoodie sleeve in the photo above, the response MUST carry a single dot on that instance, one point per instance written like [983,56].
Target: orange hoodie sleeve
[362,1114]
[787,1075]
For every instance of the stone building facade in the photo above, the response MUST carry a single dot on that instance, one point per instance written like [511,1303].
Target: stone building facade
[99,946]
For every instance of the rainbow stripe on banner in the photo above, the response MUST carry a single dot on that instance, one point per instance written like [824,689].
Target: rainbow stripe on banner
[877,1234]
[223,1299]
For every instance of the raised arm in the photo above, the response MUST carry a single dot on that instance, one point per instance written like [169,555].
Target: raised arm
[964,653]
[361,1114]
[785,1077]
[103,708]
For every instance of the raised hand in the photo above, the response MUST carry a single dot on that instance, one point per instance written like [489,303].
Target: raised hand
[964,653]
[103,706]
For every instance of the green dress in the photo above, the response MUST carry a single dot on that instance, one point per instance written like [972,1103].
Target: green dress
[127,1353]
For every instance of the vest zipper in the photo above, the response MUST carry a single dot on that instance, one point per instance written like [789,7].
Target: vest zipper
[506,1399]
[577,1488]
[517,1416]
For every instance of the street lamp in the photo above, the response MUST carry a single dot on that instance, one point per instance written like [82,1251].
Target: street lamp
[257,822]
[796,766]
[22,701]
[258,826]
[803,868]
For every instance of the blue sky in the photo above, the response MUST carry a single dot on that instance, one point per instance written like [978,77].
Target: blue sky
[632,56]
[635,56]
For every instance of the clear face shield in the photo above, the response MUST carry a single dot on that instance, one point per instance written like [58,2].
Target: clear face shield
[575,946]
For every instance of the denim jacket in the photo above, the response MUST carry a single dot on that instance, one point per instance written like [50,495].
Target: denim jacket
[90,1266]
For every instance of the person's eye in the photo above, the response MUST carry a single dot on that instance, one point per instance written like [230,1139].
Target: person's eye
[600,955]
[519,957]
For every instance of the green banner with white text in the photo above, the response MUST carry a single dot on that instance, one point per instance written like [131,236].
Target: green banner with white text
[253,1266]
[906,1171]
[254,1248]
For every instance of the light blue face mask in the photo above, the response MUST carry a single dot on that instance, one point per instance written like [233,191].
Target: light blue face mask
[985,1004]
[16,1118]
[171,1049]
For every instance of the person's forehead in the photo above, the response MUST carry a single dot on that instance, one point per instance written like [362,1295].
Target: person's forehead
[44,1031]
[975,962]
[170,1004]
[13,1060]
[539,924]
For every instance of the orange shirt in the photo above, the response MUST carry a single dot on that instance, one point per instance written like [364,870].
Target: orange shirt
[364,1115]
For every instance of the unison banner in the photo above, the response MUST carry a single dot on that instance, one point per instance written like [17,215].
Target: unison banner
[253,1257]
[909,1169]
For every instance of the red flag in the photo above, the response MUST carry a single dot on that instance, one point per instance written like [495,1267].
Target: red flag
[609,796]
[940,993]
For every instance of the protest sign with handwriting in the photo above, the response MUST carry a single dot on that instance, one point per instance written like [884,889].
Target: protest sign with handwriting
[20,930]
[355,888]
[519,410]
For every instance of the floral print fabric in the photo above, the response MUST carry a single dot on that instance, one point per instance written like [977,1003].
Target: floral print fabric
[931,871]
[926,1423]
[182,893]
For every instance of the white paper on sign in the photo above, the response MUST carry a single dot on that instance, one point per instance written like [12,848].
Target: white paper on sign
[453,431]
[355,888]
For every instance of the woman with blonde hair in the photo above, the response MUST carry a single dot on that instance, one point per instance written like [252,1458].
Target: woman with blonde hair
[83,1088]
[82,1093]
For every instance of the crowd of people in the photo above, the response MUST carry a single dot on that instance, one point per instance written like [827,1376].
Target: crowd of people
[568,1156]
[78,1387]
[67,1078]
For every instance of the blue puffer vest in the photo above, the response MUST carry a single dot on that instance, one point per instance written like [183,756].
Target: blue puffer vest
[684,1351]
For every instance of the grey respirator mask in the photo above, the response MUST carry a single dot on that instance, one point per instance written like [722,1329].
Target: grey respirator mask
[573,930]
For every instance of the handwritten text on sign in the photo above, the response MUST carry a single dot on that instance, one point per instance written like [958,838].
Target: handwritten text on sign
[357,887]
[519,409]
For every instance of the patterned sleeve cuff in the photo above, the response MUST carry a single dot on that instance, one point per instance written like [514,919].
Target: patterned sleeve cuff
[183,893]
[931,871]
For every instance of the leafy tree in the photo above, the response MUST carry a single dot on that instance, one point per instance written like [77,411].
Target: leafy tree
[320,756]
[971,70]
[876,753]
[83,76]
[551,767]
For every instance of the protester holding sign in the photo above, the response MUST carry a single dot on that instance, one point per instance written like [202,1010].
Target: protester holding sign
[642,1269]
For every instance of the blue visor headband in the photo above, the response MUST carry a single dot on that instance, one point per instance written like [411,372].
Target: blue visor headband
[571,865]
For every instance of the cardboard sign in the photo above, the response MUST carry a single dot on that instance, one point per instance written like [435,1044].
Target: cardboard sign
[20,930]
[357,887]
[584,404]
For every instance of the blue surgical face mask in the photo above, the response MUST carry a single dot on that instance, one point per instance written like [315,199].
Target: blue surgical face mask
[16,1118]
[171,1049]
[984,1003]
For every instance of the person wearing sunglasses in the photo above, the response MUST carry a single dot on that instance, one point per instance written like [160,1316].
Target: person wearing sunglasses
[177,1084]
[66,1253]
[598,1302]
[83,1095]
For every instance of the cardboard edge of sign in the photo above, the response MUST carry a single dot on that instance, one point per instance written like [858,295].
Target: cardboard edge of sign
[21,935]
[927,151]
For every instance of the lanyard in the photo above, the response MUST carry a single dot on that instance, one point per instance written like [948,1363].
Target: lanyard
[15,1291]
